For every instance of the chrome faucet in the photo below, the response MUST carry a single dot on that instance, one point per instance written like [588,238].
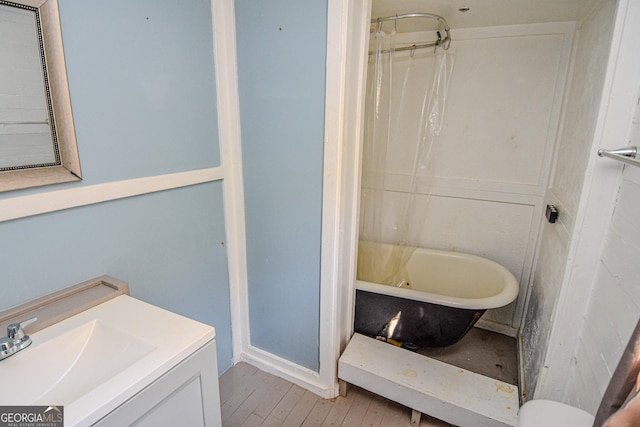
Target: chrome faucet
[15,340]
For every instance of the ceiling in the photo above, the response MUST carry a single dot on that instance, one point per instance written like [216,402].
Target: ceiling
[483,13]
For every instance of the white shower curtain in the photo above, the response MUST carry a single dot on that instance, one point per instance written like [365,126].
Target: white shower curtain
[393,78]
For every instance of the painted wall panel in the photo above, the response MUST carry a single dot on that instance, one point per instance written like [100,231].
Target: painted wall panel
[500,109]
[141,77]
[576,135]
[281,62]
[583,100]
[546,281]
[168,246]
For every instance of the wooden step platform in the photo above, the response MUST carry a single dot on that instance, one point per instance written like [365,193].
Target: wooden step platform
[427,385]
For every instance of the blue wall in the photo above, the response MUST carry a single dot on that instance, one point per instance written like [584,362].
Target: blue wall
[281,70]
[142,84]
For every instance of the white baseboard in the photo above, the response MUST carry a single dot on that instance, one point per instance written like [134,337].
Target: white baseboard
[299,375]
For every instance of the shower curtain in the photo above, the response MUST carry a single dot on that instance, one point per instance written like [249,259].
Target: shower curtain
[389,214]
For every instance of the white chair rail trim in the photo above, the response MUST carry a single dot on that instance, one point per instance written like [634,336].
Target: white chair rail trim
[52,201]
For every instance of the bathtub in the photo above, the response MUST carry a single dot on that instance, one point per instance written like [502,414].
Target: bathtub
[444,295]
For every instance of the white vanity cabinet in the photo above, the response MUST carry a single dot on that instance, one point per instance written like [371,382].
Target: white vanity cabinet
[187,395]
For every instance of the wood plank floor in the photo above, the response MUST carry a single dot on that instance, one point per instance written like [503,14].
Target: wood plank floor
[251,398]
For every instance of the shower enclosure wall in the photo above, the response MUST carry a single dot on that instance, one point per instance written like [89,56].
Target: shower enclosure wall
[489,173]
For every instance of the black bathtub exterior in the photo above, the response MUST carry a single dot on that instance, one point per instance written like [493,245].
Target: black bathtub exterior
[420,324]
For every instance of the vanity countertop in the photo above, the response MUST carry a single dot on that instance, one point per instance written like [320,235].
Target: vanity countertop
[96,360]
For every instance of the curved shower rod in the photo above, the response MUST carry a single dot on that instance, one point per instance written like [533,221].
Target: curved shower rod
[445,42]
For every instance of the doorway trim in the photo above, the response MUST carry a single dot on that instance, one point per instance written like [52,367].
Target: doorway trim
[347,41]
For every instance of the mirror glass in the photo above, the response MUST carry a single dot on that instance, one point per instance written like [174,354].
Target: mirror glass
[37,136]
[24,112]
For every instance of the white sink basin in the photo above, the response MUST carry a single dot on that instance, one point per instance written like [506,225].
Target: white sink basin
[74,363]
[96,360]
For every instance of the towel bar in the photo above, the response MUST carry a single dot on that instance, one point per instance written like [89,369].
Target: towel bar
[626,155]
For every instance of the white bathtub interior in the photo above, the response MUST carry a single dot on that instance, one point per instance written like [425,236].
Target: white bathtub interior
[458,275]
[447,278]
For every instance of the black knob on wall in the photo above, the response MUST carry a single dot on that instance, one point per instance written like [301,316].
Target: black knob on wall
[551,214]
